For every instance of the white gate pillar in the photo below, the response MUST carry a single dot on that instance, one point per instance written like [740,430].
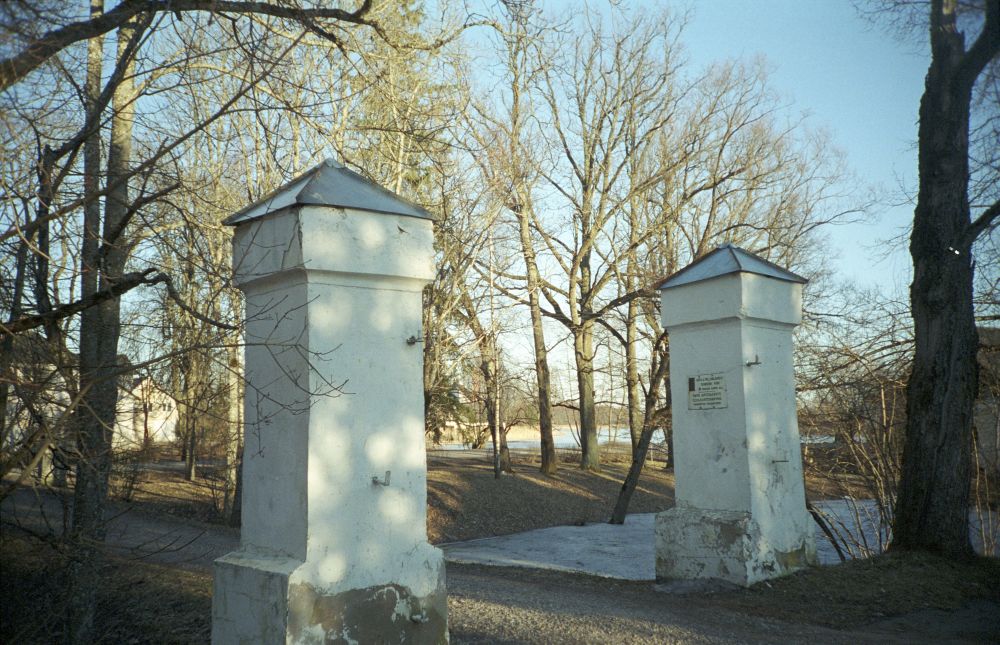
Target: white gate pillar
[334,537]
[740,510]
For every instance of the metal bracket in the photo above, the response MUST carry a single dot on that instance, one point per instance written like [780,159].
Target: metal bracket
[755,361]
[381,482]
[413,340]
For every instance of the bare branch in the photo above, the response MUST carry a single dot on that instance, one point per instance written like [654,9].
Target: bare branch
[51,43]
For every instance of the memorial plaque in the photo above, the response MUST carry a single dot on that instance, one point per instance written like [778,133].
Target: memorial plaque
[707,392]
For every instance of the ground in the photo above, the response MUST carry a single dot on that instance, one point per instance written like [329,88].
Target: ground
[902,598]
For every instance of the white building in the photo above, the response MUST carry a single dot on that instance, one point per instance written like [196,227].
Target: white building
[146,415]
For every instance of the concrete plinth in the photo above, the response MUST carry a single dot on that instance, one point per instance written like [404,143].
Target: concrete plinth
[696,543]
[333,546]
[740,512]
[267,599]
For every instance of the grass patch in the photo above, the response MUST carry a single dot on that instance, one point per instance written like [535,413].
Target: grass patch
[861,592]
[136,602]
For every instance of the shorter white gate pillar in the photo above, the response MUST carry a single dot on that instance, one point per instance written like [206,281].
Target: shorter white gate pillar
[333,546]
[740,511]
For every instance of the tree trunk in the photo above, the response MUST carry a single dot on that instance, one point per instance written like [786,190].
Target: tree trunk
[635,412]
[632,479]
[145,420]
[234,431]
[191,463]
[486,367]
[506,465]
[658,372]
[99,331]
[236,516]
[668,439]
[932,508]
[583,345]
[7,344]
[550,462]
[491,421]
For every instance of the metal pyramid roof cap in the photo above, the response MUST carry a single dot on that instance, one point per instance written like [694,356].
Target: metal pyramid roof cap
[330,184]
[724,260]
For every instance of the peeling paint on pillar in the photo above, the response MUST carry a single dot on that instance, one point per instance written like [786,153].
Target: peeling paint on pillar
[379,614]
[740,513]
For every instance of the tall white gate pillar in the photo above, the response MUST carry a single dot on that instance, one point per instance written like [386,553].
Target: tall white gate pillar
[740,512]
[334,538]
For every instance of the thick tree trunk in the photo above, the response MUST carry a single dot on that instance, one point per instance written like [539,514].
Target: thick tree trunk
[95,416]
[583,345]
[932,508]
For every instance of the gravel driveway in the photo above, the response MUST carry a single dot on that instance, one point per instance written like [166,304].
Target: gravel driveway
[503,605]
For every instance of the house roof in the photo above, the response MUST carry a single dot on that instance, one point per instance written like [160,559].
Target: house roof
[724,260]
[330,184]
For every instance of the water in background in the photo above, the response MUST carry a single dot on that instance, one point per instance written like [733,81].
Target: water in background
[562,437]
[857,527]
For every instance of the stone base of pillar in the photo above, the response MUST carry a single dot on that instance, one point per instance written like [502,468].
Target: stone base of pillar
[259,599]
[693,544]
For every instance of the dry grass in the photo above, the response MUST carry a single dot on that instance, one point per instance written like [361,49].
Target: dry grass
[169,492]
[137,602]
[465,501]
[860,592]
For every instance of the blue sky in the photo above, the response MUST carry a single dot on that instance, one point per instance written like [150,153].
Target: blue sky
[854,79]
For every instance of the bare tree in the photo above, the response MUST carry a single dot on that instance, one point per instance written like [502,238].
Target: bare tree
[509,168]
[604,98]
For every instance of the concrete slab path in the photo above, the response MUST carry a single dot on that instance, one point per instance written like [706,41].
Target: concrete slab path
[627,551]
[623,551]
